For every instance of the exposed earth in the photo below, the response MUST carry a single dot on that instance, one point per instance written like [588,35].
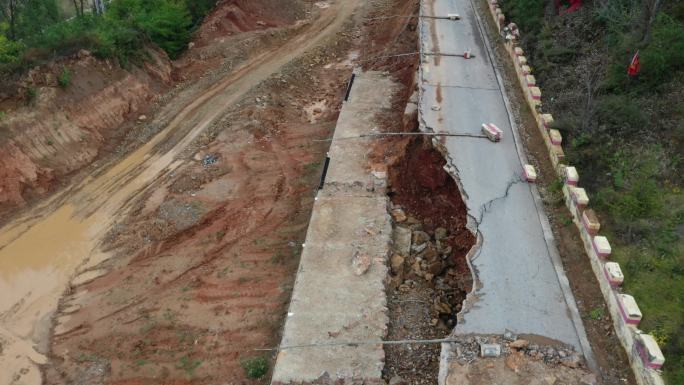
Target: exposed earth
[178,257]
[153,216]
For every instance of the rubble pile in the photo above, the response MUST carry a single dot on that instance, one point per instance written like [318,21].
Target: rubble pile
[427,262]
[513,348]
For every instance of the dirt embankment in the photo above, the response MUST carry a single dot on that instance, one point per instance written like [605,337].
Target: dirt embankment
[54,124]
[204,260]
[62,116]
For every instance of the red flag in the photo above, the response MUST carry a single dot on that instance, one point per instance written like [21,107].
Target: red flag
[634,66]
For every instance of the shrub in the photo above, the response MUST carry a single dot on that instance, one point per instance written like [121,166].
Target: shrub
[120,33]
[199,8]
[256,367]
[528,14]
[64,78]
[620,113]
[9,51]
[665,54]
[31,93]
[168,25]
[34,16]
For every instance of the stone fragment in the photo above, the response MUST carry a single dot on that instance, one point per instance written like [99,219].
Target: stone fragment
[397,263]
[509,335]
[572,361]
[399,215]
[440,233]
[514,361]
[588,379]
[519,344]
[490,350]
[417,248]
[420,237]
[360,263]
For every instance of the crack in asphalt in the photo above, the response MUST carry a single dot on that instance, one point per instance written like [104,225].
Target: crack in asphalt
[485,207]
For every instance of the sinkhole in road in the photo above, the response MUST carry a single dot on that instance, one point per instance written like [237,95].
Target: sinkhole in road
[429,272]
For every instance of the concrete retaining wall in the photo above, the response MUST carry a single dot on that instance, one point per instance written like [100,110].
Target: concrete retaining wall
[339,306]
[627,333]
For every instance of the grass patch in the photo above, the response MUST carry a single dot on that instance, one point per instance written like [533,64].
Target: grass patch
[188,365]
[312,167]
[64,78]
[255,367]
[596,314]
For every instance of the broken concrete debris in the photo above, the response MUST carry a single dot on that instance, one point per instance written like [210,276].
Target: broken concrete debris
[490,350]
[209,159]
[398,215]
[360,263]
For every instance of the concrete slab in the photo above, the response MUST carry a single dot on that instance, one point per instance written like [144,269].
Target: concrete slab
[336,313]
[520,283]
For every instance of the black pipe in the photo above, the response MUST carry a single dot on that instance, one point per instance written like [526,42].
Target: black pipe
[325,172]
[349,87]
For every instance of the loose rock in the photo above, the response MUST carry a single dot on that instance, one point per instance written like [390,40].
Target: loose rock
[397,263]
[360,263]
[519,344]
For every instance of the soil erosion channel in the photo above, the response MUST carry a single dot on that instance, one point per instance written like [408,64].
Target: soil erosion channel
[40,253]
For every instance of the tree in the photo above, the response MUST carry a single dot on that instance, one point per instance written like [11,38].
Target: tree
[650,11]
[99,6]
[34,16]
[79,6]
[9,10]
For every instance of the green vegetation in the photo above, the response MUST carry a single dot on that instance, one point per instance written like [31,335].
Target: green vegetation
[64,78]
[188,365]
[256,367]
[32,31]
[596,313]
[626,136]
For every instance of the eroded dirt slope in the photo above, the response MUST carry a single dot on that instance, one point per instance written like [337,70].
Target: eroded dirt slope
[213,199]
[49,131]
[204,258]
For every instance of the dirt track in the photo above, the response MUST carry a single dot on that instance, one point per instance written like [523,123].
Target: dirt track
[263,192]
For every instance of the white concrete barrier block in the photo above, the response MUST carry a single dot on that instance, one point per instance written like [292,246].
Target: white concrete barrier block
[556,137]
[530,173]
[492,132]
[525,69]
[649,351]
[557,153]
[535,93]
[571,175]
[579,196]
[522,60]
[547,121]
[613,273]
[590,222]
[601,246]
[631,314]
[518,51]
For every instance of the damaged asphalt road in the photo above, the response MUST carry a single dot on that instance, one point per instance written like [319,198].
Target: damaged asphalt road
[520,282]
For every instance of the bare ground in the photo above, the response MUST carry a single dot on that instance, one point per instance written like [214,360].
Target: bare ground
[201,225]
